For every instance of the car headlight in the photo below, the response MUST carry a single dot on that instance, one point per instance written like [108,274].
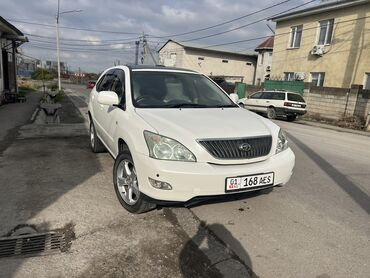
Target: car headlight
[161,147]
[282,143]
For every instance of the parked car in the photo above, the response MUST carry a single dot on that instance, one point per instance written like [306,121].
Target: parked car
[276,104]
[176,136]
[90,84]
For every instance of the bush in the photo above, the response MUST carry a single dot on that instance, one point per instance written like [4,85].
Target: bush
[42,74]
[52,86]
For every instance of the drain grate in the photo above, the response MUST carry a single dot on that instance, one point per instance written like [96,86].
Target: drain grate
[37,244]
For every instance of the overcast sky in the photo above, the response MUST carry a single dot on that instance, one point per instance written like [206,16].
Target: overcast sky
[158,18]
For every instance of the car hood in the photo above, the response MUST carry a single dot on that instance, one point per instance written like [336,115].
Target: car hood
[190,124]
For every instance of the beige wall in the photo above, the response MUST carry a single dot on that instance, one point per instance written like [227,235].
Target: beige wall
[264,60]
[345,61]
[212,63]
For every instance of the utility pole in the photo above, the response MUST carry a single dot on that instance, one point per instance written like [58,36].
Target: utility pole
[57,35]
[137,43]
[147,51]
[58,54]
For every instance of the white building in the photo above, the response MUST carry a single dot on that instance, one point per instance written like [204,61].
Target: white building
[214,63]
[264,60]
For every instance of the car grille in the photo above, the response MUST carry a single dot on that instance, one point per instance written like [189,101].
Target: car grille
[230,148]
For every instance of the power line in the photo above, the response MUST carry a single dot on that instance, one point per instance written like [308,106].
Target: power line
[223,23]
[89,45]
[85,40]
[80,49]
[286,33]
[249,24]
[72,28]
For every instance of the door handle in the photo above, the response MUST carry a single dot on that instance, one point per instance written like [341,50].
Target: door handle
[267,101]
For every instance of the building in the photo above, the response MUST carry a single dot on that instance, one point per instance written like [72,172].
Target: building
[26,66]
[264,60]
[53,65]
[10,39]
[326,45]
[211,62]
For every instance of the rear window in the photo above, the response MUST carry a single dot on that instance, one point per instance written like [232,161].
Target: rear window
[295,97]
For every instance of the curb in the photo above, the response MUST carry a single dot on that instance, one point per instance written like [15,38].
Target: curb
[335,128]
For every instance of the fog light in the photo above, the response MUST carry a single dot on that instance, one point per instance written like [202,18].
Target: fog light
[160,184]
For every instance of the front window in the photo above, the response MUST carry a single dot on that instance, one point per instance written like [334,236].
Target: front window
[164,89]
[289,76]
[317,78]
[367,81]
[296,36]
[326,31]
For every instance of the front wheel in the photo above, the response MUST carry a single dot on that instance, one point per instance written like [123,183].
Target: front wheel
[126,184]
[271,113]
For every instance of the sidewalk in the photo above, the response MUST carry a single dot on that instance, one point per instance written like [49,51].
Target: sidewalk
[332,127]
[14,115]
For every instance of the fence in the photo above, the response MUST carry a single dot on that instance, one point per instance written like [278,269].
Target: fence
[336,103]
[292,86]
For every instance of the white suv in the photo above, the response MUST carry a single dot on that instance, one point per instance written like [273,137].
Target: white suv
[176,135]
[276,104]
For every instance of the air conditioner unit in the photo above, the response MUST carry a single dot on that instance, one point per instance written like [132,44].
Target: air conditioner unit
[318,50]
[299,76]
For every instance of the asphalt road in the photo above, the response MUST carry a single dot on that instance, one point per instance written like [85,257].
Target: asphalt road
[317,225]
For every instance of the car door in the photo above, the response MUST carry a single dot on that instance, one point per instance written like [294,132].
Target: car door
[114,114]
[100,110]
[253,102]
[266,101]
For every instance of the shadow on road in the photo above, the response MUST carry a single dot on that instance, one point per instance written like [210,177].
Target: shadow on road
[215,258]
[353,190]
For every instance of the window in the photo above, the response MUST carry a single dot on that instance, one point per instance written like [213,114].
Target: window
[201,58]
[317,78]
[278,96]
[106,82]
[326,31]
[256,95]
[267,95]
[295,36]
[225,61]
[367,81]
[289,76]
[295,97]
[118,85]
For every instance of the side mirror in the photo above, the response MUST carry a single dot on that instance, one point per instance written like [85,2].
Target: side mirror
[234,97]
[108,98]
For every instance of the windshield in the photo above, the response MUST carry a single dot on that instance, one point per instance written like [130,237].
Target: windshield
[295,97]
[163,89]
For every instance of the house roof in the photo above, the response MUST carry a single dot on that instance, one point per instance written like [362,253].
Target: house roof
[215,50]
[266,44]
[326,6]
[9,31]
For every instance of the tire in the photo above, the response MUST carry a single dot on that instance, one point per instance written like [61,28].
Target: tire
[125,181]
[95,143]
[271,113]
[291,118]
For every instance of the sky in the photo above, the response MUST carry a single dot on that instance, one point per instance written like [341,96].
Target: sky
[114,26]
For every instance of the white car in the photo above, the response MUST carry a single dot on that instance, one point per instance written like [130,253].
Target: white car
[176,135]
[276,104]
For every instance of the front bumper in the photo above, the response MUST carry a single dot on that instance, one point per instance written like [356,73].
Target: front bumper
[197,179]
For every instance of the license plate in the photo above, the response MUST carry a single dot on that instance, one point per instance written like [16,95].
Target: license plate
[296,105]
[245,182]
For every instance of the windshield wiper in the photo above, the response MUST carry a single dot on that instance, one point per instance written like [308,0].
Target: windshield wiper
[189,105]
[224,106]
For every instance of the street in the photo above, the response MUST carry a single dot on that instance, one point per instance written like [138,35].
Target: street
[317,225]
